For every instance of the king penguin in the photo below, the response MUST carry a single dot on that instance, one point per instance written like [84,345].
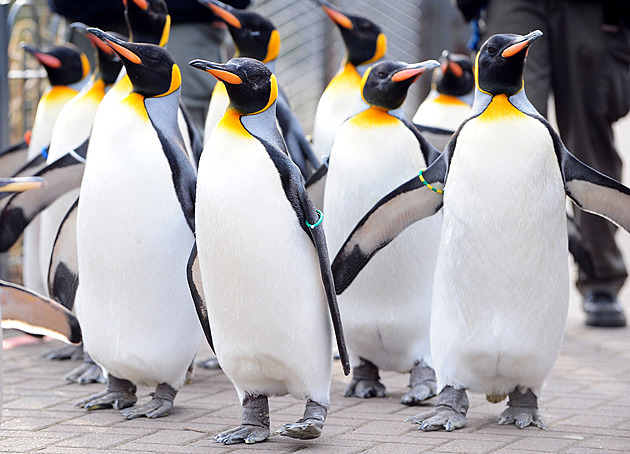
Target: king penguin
[256,37]
[270,326]
[449,102]
[501,288]
[67,68]
[135,224]
[387,311]
[365,44]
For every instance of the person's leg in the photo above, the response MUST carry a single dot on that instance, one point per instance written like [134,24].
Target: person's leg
[585,93]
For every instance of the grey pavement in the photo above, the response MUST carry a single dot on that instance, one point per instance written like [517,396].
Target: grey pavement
[585,404]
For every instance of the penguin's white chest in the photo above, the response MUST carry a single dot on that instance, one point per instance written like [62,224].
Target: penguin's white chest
[386,310]
[133,241]
[501,288]
[260,271]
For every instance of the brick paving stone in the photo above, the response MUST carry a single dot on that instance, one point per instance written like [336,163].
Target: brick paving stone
[546,444]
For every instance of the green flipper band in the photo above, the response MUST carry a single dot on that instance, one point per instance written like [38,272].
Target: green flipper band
[439,191]
[321,218]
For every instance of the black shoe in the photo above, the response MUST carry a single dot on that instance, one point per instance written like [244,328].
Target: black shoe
[602,309]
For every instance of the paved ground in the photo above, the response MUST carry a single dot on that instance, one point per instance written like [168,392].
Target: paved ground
[586,405]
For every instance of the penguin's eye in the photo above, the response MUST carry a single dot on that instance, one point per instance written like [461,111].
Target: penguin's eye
[382,75]
[254,77]
[492,50]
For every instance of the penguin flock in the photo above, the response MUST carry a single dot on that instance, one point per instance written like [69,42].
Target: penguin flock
[435,247]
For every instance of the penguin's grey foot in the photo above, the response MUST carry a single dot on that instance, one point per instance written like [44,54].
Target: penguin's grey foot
[64,353]
[190,373]
[449,412]
[365,382]
[310,426]
[422,384]
[120,393]
[210,363]
[87,372]
[522,410]
[254,426]
[160,405]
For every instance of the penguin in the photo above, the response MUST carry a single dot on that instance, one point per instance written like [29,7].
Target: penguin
[365,44]
[67,68]
[501,288]
[386,312]
[256,37]
[135,224]
[449,102]
[270,327]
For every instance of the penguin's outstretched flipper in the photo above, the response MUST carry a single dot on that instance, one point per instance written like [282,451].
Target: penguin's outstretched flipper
[412,201]
[63,271]
[193,273]
[29,311]
[62,176]
[593,191]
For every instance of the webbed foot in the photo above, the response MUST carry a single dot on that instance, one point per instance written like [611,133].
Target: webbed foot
[310,426]
[254,423]
[449,412]
[160,405]
[522,410]
[87,372]
[422,384]
[119,394]
[365,382]
[65,352]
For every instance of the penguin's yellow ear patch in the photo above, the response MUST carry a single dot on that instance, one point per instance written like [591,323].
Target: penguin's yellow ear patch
[273,48]
[166,31]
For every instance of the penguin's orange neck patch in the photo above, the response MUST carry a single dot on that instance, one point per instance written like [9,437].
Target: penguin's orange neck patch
[448,99]
[59,93]
[372,117]
[231,121]
[135,102]
[347,78]
[500,108]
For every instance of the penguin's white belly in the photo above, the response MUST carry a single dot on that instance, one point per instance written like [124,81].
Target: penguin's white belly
[266,303]
[216,109]
[334,107]
[133,301]
[386,311]
[502,284]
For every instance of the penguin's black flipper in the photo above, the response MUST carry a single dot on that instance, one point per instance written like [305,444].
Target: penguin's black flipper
[196,141]
[193,273]
[13,157]
[316,231]
[61,176]
[594,192]
[33,313]
[299,149]
[316,184]
[63,270]
[405,205]
[579,247]
[428,150]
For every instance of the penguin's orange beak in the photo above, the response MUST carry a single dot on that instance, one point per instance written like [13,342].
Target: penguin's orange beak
[414,70]
[45,59]
[21,184]
[218,70]
[116,44]
[222,13]
[522,44]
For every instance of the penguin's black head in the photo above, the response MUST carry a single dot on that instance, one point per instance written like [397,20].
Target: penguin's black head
[148,21]
[65,64]
[385,83]
[251,86]
[500,63]
[150,68]
[254,36]
[108,63]
[364,40]
[455,76]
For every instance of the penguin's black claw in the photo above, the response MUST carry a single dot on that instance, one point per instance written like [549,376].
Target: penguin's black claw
[64,353]
[108,399]
[304,429]
[243,434]
[86,373]
[439,418]
[365,388]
